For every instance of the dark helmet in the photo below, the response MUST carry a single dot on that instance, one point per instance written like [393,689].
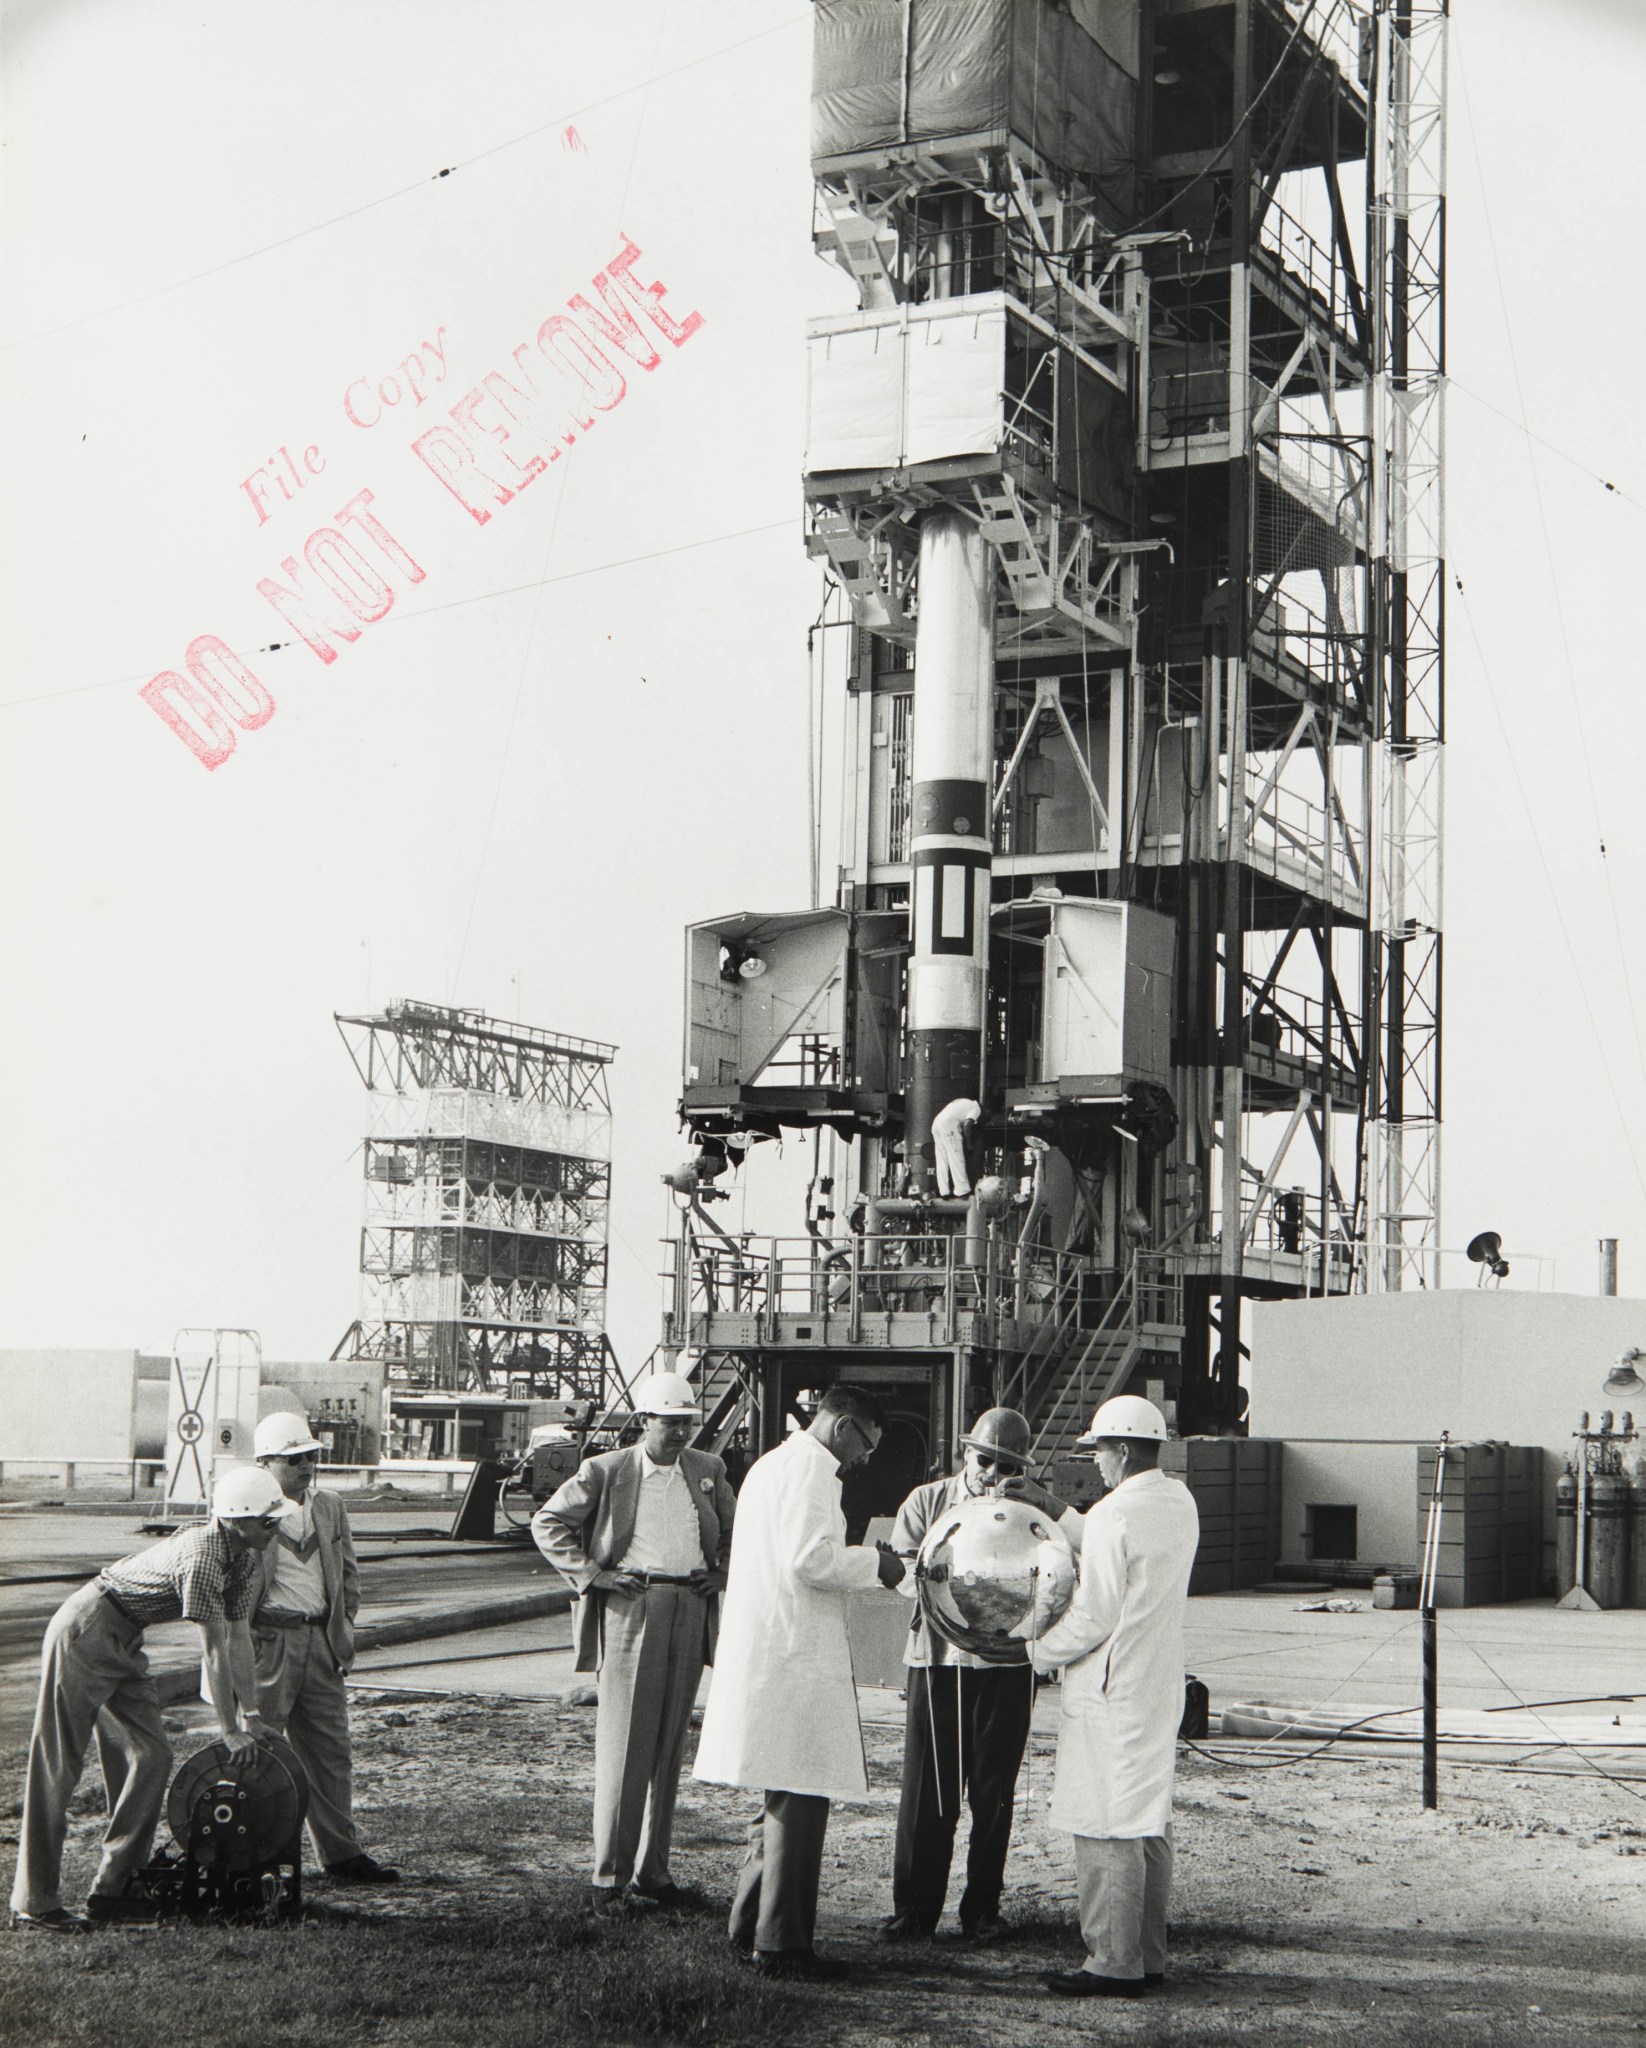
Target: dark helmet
[1001,1430]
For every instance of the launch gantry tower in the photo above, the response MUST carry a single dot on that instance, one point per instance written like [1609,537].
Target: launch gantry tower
[1127,464]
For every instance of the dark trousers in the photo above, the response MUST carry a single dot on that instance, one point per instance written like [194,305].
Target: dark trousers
[774,1908]
[973,1734]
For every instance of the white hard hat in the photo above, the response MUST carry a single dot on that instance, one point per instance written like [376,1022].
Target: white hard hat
[249,1494]
[666,1393]
[1126,1416]
[280,1435]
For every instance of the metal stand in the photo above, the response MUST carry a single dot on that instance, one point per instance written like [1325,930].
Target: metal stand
[1580,1599]
[1431,1650]
[1431,1714]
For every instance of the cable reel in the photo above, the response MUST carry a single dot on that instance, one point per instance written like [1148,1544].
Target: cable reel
[237,1821]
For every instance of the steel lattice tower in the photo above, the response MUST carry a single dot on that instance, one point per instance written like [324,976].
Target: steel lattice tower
[488,1183]
[1127,467]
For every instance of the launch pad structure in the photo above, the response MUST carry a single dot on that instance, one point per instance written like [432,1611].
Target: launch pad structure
[487,1190]
[1125,474]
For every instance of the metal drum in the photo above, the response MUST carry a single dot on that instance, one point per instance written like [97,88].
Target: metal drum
[988,1566]
[238,1813]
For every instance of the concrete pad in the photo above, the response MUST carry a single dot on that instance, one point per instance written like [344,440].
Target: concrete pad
[1257,1646]
[538,1675]
[408,1592]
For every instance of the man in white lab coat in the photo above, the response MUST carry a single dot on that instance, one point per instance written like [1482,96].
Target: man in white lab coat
[1120,1646]
[782,1712]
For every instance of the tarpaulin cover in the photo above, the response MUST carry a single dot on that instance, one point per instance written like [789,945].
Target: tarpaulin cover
[886,72]
[921,384]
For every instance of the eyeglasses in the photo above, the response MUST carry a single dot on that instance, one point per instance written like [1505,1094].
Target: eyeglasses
[870,1443]
[297,1457]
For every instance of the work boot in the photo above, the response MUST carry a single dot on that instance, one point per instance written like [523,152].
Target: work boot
[58,1921]
[1088,1984]
[801,1963]
[982,1932]
[362,1869]
[905,1927]
[669,1897]
[106,1909]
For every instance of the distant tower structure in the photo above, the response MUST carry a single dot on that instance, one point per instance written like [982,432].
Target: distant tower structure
[488,1182]
[1126,471]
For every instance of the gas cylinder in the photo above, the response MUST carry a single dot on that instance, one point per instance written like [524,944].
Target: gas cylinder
[1565,1533]
[1608,1560]
[1637,1536]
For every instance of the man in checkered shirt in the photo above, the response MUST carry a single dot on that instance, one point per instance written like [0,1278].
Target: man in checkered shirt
[95,1676]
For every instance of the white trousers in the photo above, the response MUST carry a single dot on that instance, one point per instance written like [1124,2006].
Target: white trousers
[949,1145]
[1124,1889]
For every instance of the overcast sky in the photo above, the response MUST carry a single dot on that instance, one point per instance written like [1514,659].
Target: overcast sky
[584,723]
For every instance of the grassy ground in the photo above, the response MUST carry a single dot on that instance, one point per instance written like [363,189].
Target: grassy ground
[1315,1905]
[546,1973]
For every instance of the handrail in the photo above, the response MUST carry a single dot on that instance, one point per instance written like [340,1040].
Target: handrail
[1015,1387]
[768,1278]
[1119,1313]
[1148,1292]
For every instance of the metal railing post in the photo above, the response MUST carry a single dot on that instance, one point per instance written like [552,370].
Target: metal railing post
[774,1283]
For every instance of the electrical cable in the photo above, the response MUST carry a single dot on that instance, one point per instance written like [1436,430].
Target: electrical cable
[816,688]
[1564,455]
[267,1237]
[1387,1754]
[450,604]
[561,121]
[1554,579]
[506,751]
[1549,880]
[1239,129]
[1555,1741]
[1284,1763]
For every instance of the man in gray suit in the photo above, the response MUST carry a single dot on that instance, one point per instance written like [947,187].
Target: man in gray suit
[302,1629]
[643,1537]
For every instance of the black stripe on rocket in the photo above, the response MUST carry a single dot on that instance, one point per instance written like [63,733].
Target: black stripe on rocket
[948,908]
[947,913]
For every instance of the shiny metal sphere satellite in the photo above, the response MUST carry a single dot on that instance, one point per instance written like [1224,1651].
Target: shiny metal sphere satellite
[989,1565]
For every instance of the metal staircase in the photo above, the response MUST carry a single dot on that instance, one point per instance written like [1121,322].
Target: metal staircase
[726,1398]
[1144,1317]
[1008,532]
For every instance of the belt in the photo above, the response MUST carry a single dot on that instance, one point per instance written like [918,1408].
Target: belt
[663,1578]
[277,1617]
[120,1607]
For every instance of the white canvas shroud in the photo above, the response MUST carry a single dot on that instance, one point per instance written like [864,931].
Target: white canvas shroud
[495,1119]
[1083,1009]
[1106,997]
[914,384]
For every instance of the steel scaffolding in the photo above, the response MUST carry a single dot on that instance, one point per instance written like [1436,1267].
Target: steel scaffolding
[487,1188]
[1151,302]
